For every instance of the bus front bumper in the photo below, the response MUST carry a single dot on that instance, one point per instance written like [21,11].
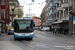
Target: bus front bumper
[16,36]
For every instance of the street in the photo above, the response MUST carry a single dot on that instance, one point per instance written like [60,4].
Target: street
[43,40]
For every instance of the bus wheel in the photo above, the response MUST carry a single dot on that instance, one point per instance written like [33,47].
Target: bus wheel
[15,38]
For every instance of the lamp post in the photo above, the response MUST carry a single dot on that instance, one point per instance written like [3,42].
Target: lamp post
[29,10]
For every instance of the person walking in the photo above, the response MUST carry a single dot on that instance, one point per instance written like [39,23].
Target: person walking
[64,31]
[6,29]
[67,30]
[53,30]
[58,30]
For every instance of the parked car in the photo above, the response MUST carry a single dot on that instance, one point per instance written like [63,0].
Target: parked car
[45,29]
[11,31]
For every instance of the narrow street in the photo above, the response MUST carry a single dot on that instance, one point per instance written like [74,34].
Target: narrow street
[42,41]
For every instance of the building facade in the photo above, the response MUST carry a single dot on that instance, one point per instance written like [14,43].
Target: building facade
[72,14]
[4,14]
[58,13]
[36,20]
[14,9]
[43,17]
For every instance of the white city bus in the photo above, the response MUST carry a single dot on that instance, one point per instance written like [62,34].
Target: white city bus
[23,28]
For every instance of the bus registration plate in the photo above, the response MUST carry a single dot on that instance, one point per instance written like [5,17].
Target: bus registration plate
[23,37]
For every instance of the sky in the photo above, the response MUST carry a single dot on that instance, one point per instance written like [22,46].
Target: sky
[35,7]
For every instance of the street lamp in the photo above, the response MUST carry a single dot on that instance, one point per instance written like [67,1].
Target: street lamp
[29,8]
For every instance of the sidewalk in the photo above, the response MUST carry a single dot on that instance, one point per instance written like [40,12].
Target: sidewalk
[3,34]
[62,35]
[7,45]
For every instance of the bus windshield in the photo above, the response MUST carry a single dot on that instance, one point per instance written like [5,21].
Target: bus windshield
[23,26]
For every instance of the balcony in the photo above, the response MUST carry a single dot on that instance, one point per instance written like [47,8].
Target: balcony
[67,18]
[50,19]
[53,13]
[59,8]
[56,11]
[51,0]
[65,5]
[56,2]
[53,5]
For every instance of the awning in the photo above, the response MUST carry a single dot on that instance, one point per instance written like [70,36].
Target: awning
[2,21]
[57,22]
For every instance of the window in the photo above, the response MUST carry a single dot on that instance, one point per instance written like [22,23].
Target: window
[3,14]
[2,2]
[66,1]
[72,3]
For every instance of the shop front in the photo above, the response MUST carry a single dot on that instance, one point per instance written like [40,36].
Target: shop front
[1,26]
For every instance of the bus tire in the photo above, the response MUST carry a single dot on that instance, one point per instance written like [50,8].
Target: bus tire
[15,38]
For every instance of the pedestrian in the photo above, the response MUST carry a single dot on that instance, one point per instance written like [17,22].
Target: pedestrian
[58,30]
[61,31]
[53,30]
[6,30]
[3,30]
[67,30]
[64,29]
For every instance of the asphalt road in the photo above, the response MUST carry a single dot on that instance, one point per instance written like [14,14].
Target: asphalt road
[42,41]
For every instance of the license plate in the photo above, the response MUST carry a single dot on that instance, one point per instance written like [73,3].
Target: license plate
[23,37]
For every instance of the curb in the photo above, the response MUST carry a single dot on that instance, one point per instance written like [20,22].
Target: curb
[62,35]
[3,34]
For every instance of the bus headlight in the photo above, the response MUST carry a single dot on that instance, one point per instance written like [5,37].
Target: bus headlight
[31,33]
[15,33]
